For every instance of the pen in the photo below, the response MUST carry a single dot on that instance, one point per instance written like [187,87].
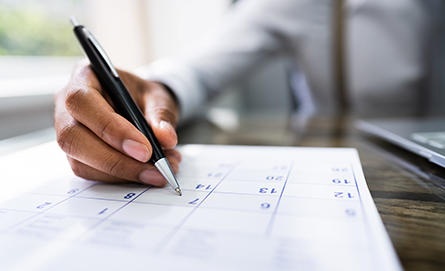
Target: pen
[121,98]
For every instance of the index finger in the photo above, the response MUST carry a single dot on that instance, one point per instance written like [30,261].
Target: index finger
[85,103]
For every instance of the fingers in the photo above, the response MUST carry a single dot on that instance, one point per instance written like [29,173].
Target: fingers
[162,114]
[174,153]
[105,163]
[85,103]
[84,171]
[102,145]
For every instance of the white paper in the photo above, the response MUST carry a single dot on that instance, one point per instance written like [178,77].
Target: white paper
[243,208]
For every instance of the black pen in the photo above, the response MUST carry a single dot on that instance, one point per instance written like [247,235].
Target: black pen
[124,103]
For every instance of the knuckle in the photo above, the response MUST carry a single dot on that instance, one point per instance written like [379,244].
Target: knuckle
[66,137]
[74,99]
[105,128]
[115,167]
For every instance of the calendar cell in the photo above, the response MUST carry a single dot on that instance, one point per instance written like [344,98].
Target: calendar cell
[257,175]
[319,229]
[321,168]
[254,203]
[254,188]
[320,192]
[127,235]
[337,179]
[49,226]
[211,244]
[222,164]
[70,187]
[198,184]
[9,218]
[164,215]
[212,173]
[120,192]
[306,255]
[275,166]
[319,208]
[86,207]
[32,202]
[228,221]
[169,197]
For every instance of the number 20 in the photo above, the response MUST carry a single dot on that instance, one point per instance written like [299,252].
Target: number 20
[276,178]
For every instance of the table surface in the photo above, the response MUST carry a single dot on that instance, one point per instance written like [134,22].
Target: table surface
[409,191]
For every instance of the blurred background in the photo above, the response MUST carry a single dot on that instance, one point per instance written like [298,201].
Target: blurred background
[38,50]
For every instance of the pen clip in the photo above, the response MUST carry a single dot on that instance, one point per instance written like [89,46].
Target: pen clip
[101,52]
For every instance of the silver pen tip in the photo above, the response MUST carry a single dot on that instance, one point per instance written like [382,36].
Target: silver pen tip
[178,190]
[164,168]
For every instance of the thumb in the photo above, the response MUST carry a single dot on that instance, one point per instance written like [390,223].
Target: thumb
[162,114]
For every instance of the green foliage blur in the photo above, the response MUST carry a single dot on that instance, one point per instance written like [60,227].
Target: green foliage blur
[29,31]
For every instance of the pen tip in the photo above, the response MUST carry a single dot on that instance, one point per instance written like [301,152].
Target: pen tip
[178,190]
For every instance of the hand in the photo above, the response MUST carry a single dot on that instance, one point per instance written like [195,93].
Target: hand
[103,146]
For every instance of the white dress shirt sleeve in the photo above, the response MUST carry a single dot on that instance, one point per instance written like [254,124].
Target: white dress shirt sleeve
[252,32]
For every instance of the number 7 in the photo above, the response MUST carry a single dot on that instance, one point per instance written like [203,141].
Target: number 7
[194,201]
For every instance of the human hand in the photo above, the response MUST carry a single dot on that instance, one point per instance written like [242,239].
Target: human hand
[103,146]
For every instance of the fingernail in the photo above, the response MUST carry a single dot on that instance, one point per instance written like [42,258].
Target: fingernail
[136,150]
[164,125]
[148,176]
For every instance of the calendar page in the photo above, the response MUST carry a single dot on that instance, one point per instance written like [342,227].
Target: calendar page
[243,208]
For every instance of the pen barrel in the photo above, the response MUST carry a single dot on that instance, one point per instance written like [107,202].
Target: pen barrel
[127,108]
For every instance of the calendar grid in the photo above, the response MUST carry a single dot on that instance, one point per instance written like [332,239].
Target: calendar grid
[268,230]
[117,210]
[165,240]
[84,197]
[265,182]
[45,210]
[274,214]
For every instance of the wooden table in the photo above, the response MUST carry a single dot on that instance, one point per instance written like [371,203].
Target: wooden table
[408,190]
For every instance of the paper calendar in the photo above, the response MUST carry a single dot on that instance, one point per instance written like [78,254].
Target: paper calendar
[243,208]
